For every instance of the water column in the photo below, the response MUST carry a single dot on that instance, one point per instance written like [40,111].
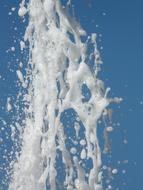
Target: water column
[58,67]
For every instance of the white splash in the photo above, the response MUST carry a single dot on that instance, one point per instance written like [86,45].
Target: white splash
[9,106]
[58,68]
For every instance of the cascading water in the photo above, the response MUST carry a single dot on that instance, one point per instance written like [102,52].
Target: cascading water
[59,68]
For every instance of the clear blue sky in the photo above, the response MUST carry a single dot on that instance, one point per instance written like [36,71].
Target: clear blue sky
[120,32]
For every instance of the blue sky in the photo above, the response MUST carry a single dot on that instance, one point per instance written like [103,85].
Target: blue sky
[119,25]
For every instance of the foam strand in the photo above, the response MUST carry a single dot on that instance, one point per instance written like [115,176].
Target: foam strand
[57,69]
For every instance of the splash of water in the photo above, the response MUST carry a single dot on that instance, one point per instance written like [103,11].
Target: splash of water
[58,69]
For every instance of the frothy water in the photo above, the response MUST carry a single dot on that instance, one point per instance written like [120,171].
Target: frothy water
[61,82]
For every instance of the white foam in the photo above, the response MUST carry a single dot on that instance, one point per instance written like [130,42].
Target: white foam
[82,142]
[83,154]
[73,150]
[49,50]
[22,45]
[22,11]
[109,129]
[21,78]
[9,105]
[114,171]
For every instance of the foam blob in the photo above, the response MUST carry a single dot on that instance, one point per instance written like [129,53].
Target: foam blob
[9,105]
[22,11]
[114,171]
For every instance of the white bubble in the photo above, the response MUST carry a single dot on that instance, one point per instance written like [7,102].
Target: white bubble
[114,171]
[22,11]
[73,150]
[109,129]
[12,48]
[83,142]
[13,9]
